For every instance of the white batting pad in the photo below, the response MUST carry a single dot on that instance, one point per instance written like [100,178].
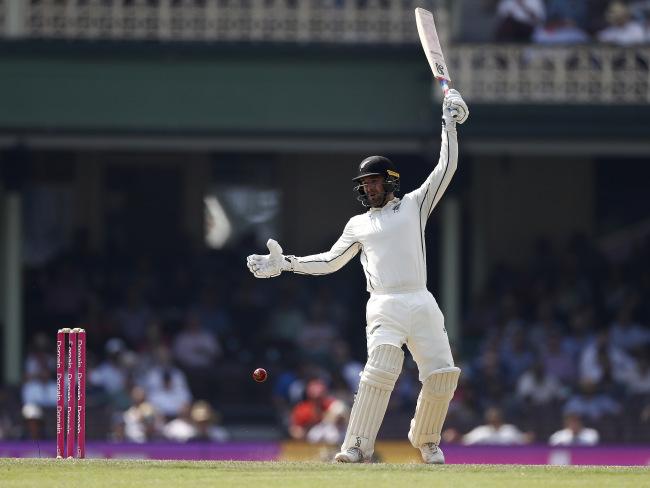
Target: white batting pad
[377,382]
[433,402]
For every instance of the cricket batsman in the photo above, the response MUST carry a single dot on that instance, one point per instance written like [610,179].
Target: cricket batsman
[390,238]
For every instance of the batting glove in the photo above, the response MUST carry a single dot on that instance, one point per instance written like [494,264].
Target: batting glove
[454,109]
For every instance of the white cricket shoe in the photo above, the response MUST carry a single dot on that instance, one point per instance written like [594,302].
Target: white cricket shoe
[432,454]
[351,455]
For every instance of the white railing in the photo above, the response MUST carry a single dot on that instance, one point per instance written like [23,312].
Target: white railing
[531,74]
[3,17]
[488,73]
[331,21]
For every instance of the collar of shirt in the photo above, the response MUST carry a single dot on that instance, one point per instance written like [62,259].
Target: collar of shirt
[389,204]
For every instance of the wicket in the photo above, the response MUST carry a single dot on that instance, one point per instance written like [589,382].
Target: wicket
[74,400]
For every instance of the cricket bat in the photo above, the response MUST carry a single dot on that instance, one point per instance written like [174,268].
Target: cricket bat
[431,46]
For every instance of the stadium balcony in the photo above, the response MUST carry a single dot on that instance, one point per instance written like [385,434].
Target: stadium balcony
[309,21]
[578,74]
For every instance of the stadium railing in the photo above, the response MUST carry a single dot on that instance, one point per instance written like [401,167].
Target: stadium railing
[580,74]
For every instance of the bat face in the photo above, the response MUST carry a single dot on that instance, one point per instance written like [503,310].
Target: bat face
[431,44]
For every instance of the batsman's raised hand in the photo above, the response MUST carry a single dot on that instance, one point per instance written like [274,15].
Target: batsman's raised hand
[269,265]
[454,108]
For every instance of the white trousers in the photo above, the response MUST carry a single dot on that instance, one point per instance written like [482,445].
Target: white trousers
[414,319]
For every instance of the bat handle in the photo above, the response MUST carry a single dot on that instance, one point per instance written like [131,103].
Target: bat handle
[444,84]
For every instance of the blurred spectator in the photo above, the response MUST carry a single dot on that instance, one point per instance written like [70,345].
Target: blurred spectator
[558,360]
[638,379]
[488,376]
[197,352]
[566,303]
[580,331]
[575,11]
[206,422]
[626,333]
[574,433]
[117,431]
[538,388]
[602,361]
[622,28]
[166,386]
[516,355]
[181,428]
[40,390]
[517,19]
[347,367]
[194,348]
[39,356]
[331,429]
[168,391]
[495,431]
[142,422]
[288,389]
[559,30]
[198,422]
[641,10]
[34,425]
[591,404]
[109,374]
[310,411]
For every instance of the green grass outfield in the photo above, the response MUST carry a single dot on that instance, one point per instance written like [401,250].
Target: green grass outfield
[92,473]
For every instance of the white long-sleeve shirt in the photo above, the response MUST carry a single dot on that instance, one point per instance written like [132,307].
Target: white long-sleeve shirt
[390,239]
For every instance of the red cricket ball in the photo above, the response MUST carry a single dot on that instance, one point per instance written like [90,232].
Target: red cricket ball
[260,375]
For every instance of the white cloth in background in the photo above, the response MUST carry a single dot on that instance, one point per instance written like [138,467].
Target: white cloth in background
[506,434]
[41,393]
[179,430]
[167,400]
[566,437]
[326,432]
[626,35]
[540,393]
[530,12]
[196,349]
[592,371]
[108,376]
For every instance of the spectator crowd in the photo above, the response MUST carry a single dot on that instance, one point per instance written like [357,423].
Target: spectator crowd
[548,22]
[555,350]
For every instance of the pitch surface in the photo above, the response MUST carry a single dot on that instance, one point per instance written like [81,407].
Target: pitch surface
[44,473]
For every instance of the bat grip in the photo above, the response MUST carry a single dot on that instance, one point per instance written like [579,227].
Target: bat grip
[444,84]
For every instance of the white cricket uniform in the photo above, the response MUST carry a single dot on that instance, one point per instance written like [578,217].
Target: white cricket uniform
[391,241]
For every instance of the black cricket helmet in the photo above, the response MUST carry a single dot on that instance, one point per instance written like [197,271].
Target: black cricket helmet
[376,166]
